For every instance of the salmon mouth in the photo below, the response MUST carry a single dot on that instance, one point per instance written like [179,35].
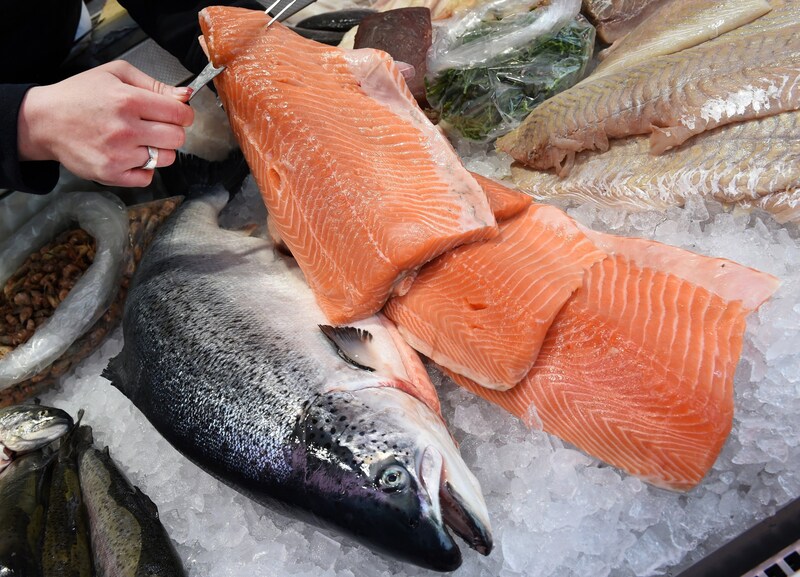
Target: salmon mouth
[454,501]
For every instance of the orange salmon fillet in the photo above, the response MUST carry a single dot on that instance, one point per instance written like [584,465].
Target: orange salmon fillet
[637,368]
[505,202]
[483,309]
[360,186]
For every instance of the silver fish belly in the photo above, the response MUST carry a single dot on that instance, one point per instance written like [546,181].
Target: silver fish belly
[224,355]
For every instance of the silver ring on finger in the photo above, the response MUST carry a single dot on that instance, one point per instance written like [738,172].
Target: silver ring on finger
[152,158]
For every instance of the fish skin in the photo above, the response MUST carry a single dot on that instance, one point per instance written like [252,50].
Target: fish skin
[675,26]
[741,75]
[747,163]
[66,549]
[22,511]
[613,19]
[29,427]
[223,354]
[128,539]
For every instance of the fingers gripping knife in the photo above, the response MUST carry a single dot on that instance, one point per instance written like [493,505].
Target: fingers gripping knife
[283,9]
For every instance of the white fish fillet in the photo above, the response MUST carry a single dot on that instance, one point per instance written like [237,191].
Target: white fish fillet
[747,73]
[676,26]
[747,161]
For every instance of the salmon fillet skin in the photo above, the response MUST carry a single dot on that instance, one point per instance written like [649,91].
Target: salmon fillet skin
[637,368]
[359,185]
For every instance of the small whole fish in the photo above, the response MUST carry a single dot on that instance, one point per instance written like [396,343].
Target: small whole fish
[128,540]
[229,356]
[66,550]
[26,428]
[22,513]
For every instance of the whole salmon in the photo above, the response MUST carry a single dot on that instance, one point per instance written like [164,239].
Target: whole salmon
[228,355]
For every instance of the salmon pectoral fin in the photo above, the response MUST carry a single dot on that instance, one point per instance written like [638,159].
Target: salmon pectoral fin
[352,345]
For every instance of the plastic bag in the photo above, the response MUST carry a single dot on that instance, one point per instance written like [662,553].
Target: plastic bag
[106,219]
[490,68]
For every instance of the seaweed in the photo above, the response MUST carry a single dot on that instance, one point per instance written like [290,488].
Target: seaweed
[484,101]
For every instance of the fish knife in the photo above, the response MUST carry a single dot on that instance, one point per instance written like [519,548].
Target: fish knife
[282,9]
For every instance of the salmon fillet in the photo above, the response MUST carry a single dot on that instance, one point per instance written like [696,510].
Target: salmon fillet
[637,368]
[739,163]
[505,202]
[745,74]
[359,185]
[482,310]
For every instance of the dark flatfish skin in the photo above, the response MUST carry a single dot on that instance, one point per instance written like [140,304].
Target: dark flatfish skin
[66,549]
[22,512]
[128,539]
[405,33]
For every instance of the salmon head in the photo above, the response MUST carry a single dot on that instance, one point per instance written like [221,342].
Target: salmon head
[379,463]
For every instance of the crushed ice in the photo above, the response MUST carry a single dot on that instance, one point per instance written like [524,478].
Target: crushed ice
[555,510]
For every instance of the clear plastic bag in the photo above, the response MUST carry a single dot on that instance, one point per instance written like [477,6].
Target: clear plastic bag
[106,219]
[488,69]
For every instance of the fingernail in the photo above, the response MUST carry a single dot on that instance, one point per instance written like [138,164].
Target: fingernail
[182,91]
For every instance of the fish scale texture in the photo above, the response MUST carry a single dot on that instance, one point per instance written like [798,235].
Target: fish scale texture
[363,191]
[482,310]
[738,76]
[637,368]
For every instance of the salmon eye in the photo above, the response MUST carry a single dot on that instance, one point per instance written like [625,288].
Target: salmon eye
[393,478]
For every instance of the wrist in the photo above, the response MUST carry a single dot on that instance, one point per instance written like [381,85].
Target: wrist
[32,127]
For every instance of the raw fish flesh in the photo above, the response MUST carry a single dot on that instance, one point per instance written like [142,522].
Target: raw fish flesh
[637,368]
[362,188]
[615,18]
[224,355]
[739,76]
[755,162]
[505,202]
[675,26]
[482,310]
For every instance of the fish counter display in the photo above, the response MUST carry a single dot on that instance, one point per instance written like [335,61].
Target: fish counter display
[553,509]
[299,398]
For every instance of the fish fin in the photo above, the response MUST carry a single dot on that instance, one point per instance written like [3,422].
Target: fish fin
[146,502]
[353,345]
[115,372]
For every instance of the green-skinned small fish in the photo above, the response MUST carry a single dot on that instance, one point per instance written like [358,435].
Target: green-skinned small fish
[22,512]
[66,550]
[128,540]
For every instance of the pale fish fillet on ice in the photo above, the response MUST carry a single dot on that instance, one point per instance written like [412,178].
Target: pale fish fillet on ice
[615,18]
[362,188]
[783,206]
[738,76]
[746,161]
[675,26]
[637,368]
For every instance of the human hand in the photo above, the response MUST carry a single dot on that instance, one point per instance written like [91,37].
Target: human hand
[99,123]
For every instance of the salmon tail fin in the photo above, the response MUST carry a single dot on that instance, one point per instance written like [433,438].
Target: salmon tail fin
[353,345]
[115,373]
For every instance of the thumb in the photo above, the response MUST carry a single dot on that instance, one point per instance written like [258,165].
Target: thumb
[131,75]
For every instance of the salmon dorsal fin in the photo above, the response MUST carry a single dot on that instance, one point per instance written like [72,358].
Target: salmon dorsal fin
[353,345]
